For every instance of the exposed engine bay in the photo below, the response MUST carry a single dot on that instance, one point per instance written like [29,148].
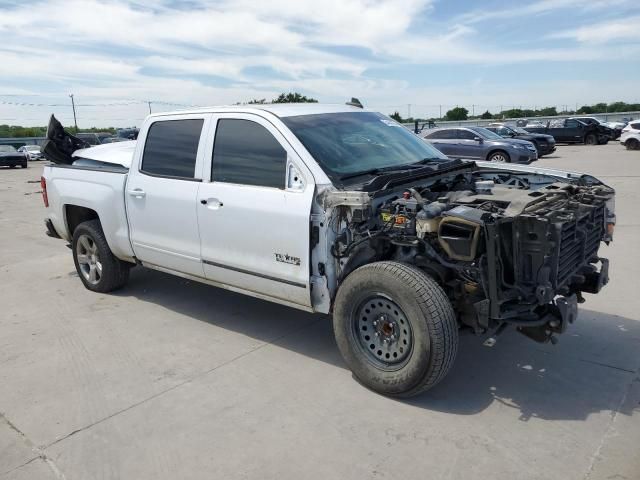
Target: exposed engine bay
[509,247]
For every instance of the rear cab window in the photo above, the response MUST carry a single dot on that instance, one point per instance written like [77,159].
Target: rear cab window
[171,149]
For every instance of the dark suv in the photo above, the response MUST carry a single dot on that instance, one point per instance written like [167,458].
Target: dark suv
[478,143]
[545,144]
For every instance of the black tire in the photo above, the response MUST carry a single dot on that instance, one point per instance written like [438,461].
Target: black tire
[419,303]
[498,155]
[24,165]
[590,139]
[12,166]
[114,272]
[632,144]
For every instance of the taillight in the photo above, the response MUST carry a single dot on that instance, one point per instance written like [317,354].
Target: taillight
[45,197]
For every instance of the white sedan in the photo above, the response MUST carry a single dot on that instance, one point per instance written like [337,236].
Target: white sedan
[34,152]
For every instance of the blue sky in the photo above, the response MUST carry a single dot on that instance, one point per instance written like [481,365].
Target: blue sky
[389,53]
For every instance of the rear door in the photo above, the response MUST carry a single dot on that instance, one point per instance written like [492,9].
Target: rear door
[254,210]
[161,194]
[444,140]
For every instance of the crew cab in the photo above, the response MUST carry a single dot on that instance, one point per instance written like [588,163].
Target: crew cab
[570,130]
[337,210]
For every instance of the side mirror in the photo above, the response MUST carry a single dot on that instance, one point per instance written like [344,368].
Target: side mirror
[478,139]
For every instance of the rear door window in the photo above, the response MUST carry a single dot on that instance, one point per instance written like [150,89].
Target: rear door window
[442,134]
[171,148]
[246,153]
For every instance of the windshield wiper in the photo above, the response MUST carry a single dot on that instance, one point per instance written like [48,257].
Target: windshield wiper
[377,171]
[393,168]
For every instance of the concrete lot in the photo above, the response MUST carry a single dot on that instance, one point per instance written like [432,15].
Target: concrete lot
[168,379]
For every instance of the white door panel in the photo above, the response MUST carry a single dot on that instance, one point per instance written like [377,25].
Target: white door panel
[257,238]
[164,223]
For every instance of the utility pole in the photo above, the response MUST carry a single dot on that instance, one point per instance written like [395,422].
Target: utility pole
[473,110]
[408,110]
[149,102]
[440,117]
[73,105]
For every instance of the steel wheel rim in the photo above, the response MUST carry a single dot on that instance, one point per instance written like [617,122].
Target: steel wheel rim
[382,332]
[88,258]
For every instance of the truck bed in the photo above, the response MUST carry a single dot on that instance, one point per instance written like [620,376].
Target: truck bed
[95,186]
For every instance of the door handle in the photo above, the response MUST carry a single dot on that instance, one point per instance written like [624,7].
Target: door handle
[137,192]
[212,203]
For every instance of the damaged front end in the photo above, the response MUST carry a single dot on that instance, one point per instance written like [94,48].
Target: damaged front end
[509,247]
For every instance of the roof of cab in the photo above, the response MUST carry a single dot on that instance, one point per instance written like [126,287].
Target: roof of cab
[277,109]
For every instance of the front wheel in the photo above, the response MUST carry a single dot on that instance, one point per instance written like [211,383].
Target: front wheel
[395,328]
[590,139]
[499,156]
[98,268]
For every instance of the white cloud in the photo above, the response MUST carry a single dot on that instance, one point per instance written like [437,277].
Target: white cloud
[605,32]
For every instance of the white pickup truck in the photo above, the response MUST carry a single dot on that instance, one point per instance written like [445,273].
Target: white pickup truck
[336,209]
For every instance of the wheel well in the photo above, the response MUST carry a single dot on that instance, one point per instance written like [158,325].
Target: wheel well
[76,215]
[495,150]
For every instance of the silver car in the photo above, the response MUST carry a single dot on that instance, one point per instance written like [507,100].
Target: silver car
[478,143]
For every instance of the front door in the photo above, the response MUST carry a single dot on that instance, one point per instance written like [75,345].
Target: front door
[254,213]
[468,146]
[161,194]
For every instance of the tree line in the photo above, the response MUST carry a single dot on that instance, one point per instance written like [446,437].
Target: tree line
[461,113]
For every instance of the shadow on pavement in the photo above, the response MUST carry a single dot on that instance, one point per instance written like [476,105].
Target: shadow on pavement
[589,371]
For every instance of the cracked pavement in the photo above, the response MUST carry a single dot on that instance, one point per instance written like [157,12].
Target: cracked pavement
[171,379]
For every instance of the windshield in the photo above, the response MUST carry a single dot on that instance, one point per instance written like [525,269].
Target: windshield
[32,148]
[486,134]
[7,149]
[519,130]
[347,143]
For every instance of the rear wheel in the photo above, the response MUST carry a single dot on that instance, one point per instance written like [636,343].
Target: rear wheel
[632,144]
[97,267]
[590,139]
[499,156]
[395,328]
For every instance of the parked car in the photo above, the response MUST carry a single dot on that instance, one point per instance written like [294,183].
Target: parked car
[113,140]
[334,209]
[630,137]
[545,144]
[614,133]
[34,152]
[10,157]
[478,143]
[571,130]
[128,133]
[93,138]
